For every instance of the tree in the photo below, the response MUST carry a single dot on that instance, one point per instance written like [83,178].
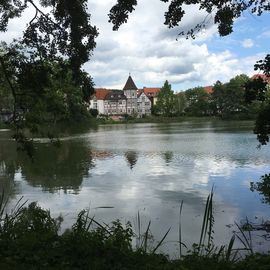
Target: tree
[166,100]
[6,99]
[180,103]
[197,101]
[228,98]
[262,125]
[53,48]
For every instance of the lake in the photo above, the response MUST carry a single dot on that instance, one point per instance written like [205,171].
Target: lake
[120,170]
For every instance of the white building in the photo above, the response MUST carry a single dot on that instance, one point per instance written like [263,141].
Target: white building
[144,104]
[129,101]
[97,100]
[115,103]
[130,91]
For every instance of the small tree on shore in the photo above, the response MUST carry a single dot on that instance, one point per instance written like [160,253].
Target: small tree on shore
[166,100]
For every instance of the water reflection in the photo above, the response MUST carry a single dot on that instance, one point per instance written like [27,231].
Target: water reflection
[146,167]
[263,187]
[131,157]
[168,156]
[53,168]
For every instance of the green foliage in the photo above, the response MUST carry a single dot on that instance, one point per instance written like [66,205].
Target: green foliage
[6,98]
[28,235]
[262,125]
[224,12]
[180,103]
[165,105]
[42,69]
[30,239]
[198,101]
[255,90]
[119,12]
[229,98]
[259,91]
[94,112]
[264,65]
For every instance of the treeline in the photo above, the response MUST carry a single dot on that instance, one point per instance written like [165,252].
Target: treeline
[238,98]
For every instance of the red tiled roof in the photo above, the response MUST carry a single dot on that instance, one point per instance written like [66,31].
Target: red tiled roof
[101,93]
[262,76]
[208,89]
[151,91]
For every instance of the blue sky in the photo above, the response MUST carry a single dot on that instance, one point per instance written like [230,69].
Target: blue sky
[148,50]
[251,36]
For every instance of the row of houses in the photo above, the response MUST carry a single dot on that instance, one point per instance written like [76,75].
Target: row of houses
[130,100]
[133,101]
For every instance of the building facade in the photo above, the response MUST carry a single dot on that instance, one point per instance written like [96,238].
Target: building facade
[130,100]
[130,91]
[97,100]
[143,104]
[115,103]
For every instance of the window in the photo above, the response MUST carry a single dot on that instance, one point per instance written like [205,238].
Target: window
[147,103]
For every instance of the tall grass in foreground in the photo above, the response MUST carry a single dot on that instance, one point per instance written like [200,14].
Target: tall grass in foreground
[29,236]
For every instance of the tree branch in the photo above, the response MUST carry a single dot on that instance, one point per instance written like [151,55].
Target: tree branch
[2,62]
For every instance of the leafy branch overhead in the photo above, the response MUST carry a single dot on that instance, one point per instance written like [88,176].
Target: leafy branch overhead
[224,12]
[66,29]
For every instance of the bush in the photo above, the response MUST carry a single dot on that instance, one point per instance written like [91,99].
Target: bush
[94,112]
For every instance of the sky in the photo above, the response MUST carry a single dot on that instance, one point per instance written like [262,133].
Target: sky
[152,53]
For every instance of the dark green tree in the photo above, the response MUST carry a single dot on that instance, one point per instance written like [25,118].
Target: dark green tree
[6,98]
[262,93]
[54,45]
[166,100]
[197,101]
[229,98]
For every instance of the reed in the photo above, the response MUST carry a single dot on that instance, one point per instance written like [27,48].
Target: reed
[29,236]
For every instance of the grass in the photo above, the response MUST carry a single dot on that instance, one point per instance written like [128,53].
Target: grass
[30,239]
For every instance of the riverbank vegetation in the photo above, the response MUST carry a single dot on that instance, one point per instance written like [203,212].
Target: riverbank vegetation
[30,239]
[235,99]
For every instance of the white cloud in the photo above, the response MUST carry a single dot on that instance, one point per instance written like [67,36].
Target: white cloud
[149,50]
[265,34]
[247,43]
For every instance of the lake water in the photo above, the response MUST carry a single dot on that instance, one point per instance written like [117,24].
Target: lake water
[118,170]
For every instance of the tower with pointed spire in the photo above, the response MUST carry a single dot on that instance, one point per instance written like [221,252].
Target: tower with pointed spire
[130,91]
